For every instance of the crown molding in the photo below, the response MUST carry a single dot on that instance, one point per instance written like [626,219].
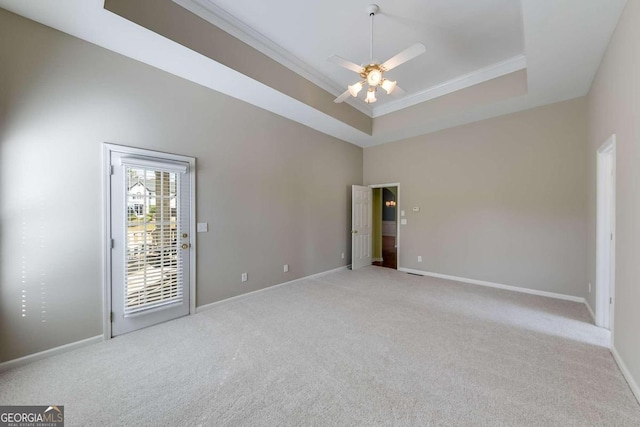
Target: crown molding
[222,19]
[482,75]
[209,11]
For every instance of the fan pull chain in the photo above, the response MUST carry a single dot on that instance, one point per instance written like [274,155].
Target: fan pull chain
[371,48]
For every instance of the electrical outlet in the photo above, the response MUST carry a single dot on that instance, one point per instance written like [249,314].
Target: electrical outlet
[589,287]
[419,258]
[342,255]
[244,277]
[286,268]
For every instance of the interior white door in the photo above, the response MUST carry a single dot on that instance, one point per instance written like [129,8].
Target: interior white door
[605,237]
[361,217]
[150,214]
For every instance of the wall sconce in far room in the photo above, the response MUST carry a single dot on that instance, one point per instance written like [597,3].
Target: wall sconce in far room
[391,204]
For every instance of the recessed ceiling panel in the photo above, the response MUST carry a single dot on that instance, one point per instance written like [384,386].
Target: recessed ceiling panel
[461,36]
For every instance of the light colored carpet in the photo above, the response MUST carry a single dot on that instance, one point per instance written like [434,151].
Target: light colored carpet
[368,347]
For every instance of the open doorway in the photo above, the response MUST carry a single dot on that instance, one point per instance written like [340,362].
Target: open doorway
[605,238]
[385,226]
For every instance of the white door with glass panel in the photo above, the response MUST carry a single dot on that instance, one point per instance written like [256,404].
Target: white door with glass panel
[361,218]
[150,214]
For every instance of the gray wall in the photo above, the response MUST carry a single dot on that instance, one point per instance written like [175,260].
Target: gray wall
[614,107]
[272,191]
[503,200]
[178,24]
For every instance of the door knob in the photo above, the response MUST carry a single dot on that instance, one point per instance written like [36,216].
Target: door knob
[355,231]
[185,246]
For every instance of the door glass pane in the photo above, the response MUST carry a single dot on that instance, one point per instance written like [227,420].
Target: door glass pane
[153,265]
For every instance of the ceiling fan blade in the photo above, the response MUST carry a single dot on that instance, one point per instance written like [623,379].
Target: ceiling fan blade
[342,97]
[345,63]
[404,56]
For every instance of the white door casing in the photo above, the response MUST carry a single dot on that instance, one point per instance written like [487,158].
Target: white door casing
[150,228]
[361,218]
[606,237]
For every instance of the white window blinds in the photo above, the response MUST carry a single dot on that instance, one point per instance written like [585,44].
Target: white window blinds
[154,261]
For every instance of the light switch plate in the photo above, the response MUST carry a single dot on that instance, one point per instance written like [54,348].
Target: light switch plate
[403,222]
[401,213]
[416,208]
[203,227]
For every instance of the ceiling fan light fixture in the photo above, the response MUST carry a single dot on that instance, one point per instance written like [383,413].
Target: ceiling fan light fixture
[388,85]
[371,96]
[374,77]
[372,73]
[355,89]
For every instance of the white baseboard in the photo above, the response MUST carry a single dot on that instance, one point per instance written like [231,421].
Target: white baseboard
[10,364]
[593,315]
[209,306]
[625,372]
[377,260]
[495,285]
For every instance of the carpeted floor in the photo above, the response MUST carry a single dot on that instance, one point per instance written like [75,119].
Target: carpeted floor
[368,347]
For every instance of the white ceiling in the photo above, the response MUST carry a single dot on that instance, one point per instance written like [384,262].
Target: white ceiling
[461,37]
[564,41]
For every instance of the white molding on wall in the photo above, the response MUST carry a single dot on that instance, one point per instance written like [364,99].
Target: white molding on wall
[482,75]
[593,315]
[10,364]
[633,385]
[495,285]
[222,19]
[209,306]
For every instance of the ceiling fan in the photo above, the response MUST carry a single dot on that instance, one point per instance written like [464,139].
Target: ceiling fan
[372,73]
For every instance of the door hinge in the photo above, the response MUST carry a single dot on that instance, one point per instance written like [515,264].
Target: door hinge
[611,236]
[610,300]
[112,243]
[111,317]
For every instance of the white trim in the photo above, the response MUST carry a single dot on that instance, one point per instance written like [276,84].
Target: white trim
[473,78]
[495,285]
[377,259]
[107,149]
[106,241]
[222,19]
[209,306]
[593,316]
[605,224]
[392,184]
[633,385]
[10,364]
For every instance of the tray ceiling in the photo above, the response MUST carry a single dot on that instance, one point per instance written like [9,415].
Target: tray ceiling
[467,42]
[563,40]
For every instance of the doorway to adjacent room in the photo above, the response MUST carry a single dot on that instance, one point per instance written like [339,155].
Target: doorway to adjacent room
[385,226]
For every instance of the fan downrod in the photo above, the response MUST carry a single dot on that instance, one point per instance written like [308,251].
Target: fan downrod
[372,9]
